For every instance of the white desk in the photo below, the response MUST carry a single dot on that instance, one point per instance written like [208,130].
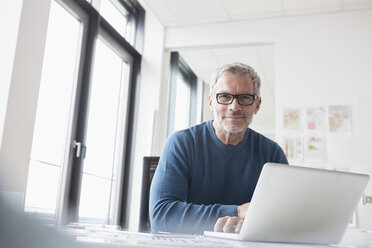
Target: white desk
[354,238]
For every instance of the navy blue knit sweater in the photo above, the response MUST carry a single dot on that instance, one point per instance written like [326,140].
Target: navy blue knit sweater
[200,179]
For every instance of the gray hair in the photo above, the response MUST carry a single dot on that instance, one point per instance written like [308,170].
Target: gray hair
[237,69]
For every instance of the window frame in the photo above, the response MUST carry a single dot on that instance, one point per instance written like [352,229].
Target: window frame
[179,66]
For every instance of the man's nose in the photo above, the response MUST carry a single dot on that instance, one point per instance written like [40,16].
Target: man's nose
[235,106]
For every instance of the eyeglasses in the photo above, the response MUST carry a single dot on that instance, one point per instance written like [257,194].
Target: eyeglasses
[243,99]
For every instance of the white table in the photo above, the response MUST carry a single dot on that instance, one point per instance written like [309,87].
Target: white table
[354,238]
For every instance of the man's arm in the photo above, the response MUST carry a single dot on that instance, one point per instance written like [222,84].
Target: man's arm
[279,155]
[169,209]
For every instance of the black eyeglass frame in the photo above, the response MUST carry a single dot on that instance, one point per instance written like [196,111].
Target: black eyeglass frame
[237,97]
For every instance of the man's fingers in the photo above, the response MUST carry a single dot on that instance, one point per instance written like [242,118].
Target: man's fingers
[239,225]
[218,227]
[230,224]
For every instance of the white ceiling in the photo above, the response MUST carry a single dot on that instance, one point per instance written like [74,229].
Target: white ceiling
[193,12]
[203,61]
[175,13]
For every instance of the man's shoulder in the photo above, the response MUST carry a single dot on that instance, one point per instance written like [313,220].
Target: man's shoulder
[199,128]
[269,147]
[190,133]
[193,130]
[256,136]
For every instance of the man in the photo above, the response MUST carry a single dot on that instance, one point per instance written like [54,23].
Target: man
[207,173]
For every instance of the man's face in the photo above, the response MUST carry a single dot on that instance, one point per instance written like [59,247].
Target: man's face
[233,118]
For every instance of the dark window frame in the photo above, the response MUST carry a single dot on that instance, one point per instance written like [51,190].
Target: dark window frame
[179,66]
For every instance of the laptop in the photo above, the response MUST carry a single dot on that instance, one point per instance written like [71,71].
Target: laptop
[294,204]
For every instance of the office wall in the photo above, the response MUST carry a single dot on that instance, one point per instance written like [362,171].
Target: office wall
[329,64]
[10,12]
[148,113]
[321,60]
[23,94]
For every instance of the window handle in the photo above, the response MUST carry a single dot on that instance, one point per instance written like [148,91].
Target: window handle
[366,199]
[78,147]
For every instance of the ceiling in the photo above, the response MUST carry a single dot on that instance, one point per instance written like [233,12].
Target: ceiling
[173,13]
[203,61]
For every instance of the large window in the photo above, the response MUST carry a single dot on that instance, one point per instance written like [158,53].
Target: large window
[82,138]
[105,132]
[182,95]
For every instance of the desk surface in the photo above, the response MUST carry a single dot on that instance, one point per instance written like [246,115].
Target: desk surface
[354,238]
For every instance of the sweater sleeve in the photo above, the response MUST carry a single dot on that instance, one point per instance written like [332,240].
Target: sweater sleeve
[169,209]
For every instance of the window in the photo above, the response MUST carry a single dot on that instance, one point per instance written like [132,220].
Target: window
[82,137]
[121,15]
[118,17]
[182,108]
[106,122]
[182,95]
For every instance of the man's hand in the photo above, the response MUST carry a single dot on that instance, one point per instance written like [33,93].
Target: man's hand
[228,224]
[242,210]
[232,224]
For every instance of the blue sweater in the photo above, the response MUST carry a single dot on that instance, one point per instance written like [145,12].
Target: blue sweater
[200,179]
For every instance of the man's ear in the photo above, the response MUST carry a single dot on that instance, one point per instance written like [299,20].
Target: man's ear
[210,103]
[258,104]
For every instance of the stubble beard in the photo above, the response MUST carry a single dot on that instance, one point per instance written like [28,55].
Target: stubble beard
[236,130]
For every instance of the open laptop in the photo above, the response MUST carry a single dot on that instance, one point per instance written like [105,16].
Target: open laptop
[295,204]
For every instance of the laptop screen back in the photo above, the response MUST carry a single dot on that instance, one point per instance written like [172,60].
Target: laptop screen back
[302,205]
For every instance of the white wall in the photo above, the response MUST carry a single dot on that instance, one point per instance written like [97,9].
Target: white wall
[320,60]
[148,108]
[23,94]
[10,12]
[329,63]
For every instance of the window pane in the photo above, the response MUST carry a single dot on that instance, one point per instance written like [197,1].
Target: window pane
[182,109]
[104,108]
[53,109]
[42,187]
[95,201]
[105,131]
[116,15]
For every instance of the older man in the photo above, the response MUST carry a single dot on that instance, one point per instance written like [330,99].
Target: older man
[207,173]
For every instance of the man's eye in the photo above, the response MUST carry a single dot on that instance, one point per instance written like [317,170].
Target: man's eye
[225,96]
[245,97]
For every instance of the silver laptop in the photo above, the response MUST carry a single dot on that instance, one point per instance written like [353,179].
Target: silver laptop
[295,204]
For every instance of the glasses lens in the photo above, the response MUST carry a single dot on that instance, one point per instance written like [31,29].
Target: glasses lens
[245,99]
[224,98]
